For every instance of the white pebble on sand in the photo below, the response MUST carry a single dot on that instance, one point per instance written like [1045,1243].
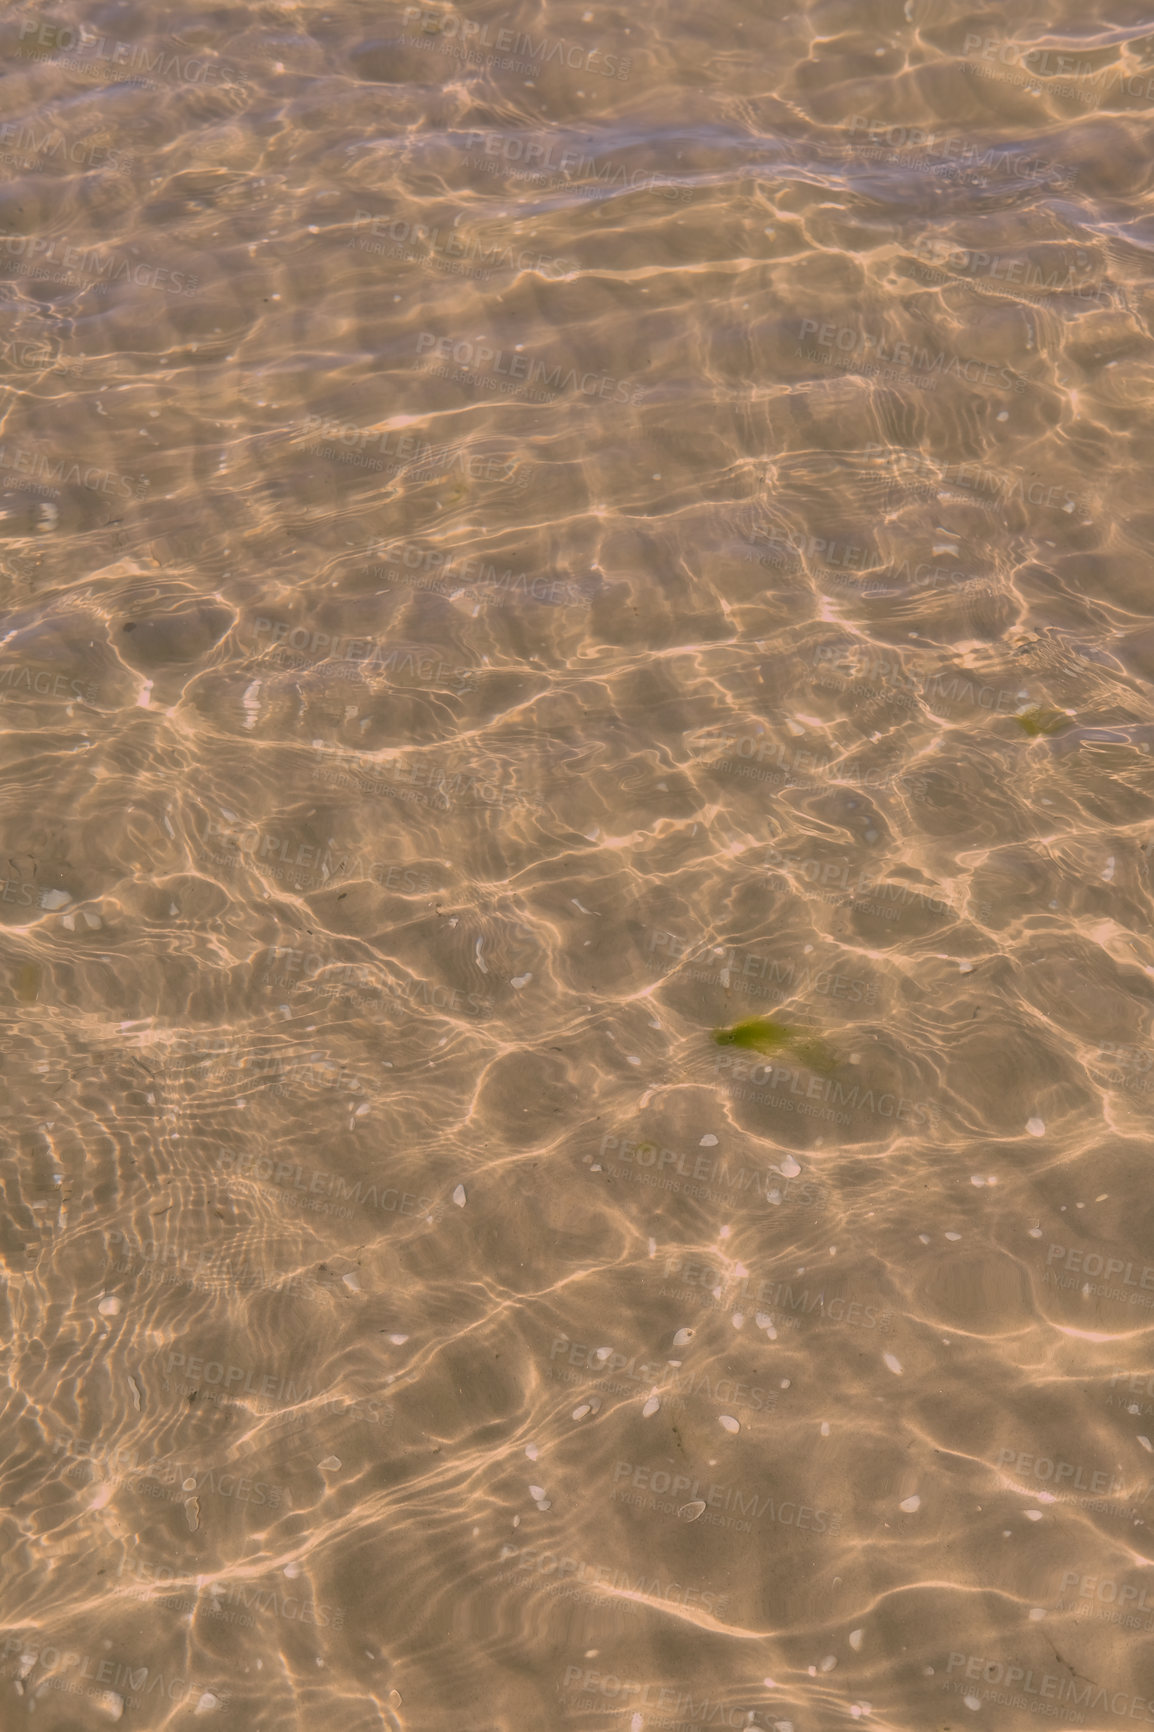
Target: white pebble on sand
[459,1196]
[1036,1127]
[728,1421]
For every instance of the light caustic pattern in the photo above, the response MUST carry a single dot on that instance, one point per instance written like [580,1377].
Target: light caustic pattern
[576,868]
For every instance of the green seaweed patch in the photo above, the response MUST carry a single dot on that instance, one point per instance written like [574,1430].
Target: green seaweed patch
[762,1035]
[1036,721]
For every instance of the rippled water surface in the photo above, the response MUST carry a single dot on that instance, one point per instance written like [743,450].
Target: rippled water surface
[577,971]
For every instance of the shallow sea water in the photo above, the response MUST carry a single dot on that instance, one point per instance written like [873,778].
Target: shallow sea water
[532,534]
